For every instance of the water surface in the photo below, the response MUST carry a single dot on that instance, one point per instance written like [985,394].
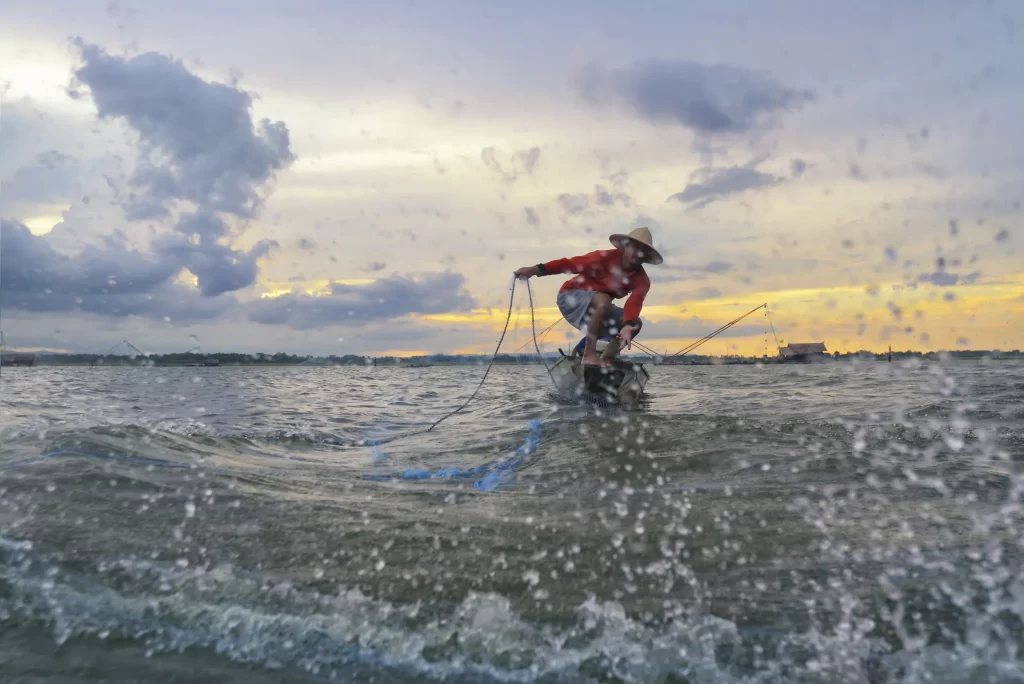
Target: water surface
[851,522]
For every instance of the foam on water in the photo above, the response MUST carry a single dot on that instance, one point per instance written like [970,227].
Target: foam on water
[257,620]
[252,618]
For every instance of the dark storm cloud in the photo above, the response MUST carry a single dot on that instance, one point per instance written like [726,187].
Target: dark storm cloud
[218,268]
[707,99]
[197,139]
[716,184]
[392,297]
[113,281]
[197,144]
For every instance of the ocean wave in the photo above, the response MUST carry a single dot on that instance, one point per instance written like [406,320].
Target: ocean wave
[265,621]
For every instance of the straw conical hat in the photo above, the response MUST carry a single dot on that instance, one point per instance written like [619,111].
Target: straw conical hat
[643,236]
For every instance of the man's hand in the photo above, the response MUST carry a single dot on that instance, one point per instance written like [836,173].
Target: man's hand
[626,335]
[526,272]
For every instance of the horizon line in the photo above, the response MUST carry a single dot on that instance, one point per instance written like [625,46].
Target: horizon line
[11,352]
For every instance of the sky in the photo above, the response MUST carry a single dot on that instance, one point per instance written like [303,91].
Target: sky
[364,177]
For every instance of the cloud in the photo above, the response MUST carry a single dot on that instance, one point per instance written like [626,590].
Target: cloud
[355,305]
[114,281]
[703,293]
[531,216]
[715,267]
[797,167]
[52,176]
[195,245]
[716,184]
[606,198]
[198,147]
[522,162]
[39,184]
[695,328]
[375,266]
[943,278]
[527,159]
[673,272]
[197,140]
[709,100]
[579,203]
[218,268]
[574,204]
[53,158]
[856,172]
[618,179]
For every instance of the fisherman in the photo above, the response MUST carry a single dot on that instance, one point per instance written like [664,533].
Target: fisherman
[602,276]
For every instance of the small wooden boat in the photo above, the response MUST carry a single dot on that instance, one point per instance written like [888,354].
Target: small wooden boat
[622,384]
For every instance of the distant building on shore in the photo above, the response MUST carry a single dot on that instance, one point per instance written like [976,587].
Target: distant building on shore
[803,352]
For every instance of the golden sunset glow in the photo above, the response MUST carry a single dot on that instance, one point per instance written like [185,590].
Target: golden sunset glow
[41,225]
[404,353]
[848,319]
[186,277]
[317,288]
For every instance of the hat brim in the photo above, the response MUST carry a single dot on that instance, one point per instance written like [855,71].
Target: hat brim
[653,256]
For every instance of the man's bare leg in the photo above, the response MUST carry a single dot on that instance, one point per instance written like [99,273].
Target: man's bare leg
[599,303]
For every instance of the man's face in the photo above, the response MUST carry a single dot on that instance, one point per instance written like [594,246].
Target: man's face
[632,255]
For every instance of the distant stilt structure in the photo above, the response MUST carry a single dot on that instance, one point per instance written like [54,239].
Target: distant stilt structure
[132,350]
[890,353]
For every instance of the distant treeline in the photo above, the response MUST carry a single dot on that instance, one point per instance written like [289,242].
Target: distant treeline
[280,358]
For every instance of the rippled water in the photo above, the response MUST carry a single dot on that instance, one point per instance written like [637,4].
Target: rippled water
[850,522]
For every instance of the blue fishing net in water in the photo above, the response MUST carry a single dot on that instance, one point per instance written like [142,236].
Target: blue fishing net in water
[493,473]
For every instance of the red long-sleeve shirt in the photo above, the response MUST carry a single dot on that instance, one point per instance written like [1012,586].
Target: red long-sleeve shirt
[602,271]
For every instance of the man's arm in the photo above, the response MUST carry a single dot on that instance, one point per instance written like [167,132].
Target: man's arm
[576,264]
[631,311]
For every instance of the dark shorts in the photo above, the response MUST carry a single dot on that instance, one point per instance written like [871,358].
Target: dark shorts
[575,306]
